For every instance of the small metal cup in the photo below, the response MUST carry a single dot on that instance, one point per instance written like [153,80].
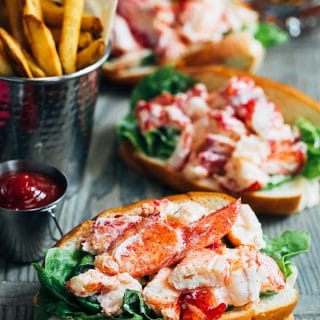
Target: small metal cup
[26,234]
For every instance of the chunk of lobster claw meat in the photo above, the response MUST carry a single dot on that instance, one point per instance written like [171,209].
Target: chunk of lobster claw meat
[157,244]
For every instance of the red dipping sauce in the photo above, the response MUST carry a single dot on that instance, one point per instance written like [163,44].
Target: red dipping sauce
[27,190]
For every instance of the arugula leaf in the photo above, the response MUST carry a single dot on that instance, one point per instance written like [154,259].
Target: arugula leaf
[269,34]
[158,143]
[310,135]
[165,79]
[285,247]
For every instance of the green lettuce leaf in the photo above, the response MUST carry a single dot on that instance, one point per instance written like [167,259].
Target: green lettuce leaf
[60,266]
[165,79]
[135,308]
[133,305]
[149,60]
[158,143]
[48,305]
[155,143]
[283,248]
[55,286]
[61,263]
[84,265]
[269,34]
[277,180]
[55,299]
[310,135]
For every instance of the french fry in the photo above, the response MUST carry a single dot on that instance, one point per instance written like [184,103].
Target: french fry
[53,16]
[5,66]
[36,71]
[15,55]
[85,37]
[68,47]
[14,10]
[33,7]
[42,46]
[90,54]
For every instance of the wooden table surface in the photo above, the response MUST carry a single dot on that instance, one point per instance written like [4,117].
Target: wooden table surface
[108,183]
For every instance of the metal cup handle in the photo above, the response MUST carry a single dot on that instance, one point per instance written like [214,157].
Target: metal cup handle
[51,211]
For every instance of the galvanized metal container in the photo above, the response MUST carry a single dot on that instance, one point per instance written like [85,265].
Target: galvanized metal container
[25,235]
[50,119]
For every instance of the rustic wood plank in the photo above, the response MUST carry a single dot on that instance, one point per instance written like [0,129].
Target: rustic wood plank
[15,293]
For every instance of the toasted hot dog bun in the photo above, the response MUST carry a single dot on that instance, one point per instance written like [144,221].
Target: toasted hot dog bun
[237,50]
[290,197]
[279,306]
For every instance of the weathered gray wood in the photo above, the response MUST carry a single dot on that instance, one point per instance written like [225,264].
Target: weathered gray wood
[108,183]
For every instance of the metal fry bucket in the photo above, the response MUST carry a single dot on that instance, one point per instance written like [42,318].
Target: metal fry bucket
[50,119]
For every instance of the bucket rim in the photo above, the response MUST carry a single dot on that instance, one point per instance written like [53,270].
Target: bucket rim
[55,79]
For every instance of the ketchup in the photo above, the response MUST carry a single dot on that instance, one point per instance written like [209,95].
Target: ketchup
[27,190]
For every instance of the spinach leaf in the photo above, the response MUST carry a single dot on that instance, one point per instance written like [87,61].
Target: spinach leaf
[310,135]
[285,247]
[269,34]
[165,79]
[158,143]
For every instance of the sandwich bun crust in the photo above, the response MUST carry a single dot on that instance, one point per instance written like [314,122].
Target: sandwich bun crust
[279,306]
[126,77]
[239,50]
[284,200]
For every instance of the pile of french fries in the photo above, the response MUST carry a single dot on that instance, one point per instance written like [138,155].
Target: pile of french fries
[42,38]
